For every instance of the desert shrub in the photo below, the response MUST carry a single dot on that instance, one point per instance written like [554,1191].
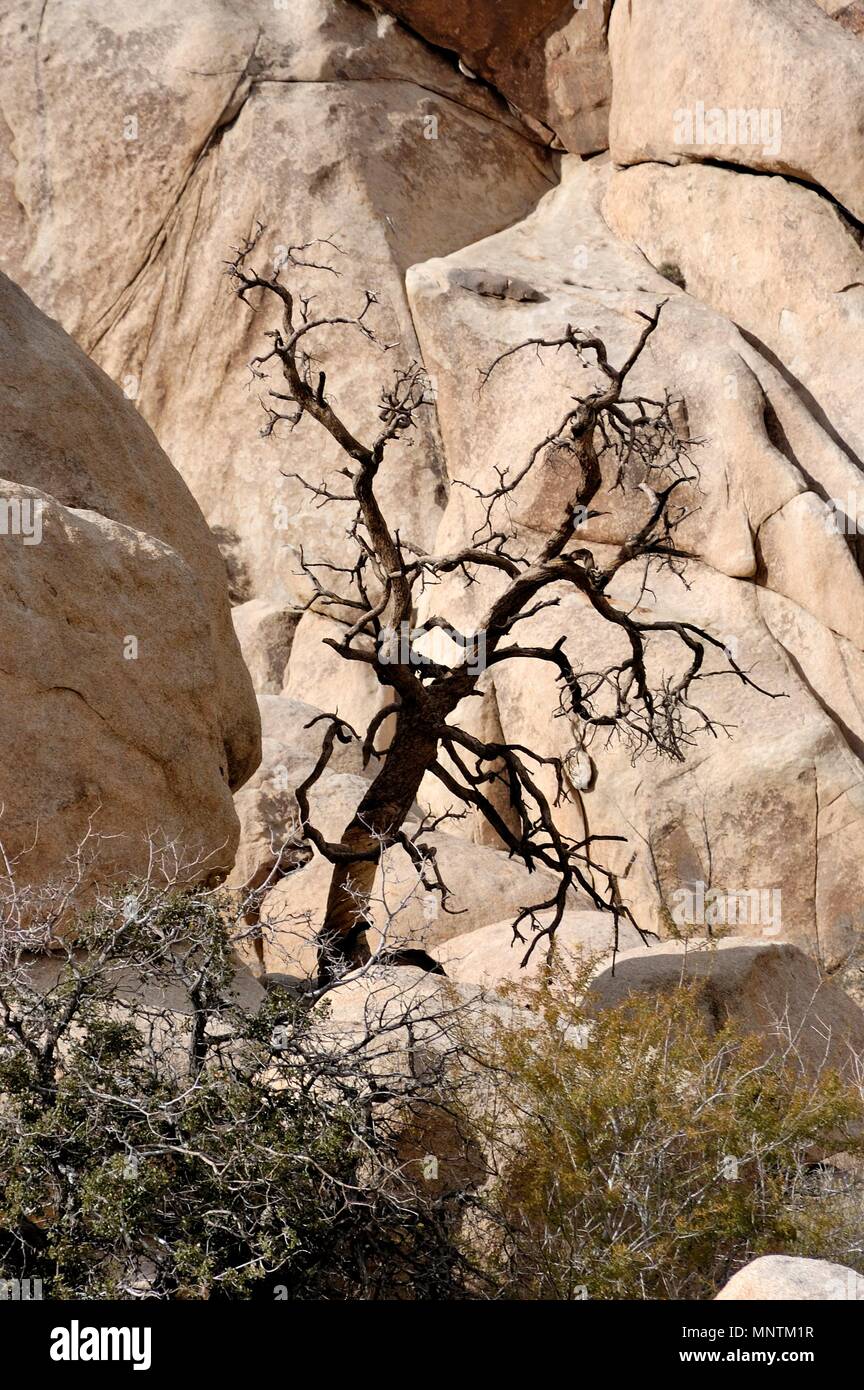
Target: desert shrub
[640,1154]
[673,272]
[163,1136]
[168,1130]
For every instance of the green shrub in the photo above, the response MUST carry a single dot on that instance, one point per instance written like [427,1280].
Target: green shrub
[159,1138]
[641,1155]
[673,272]
[164,1136]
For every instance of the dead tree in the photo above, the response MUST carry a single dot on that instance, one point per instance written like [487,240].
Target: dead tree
[389,574]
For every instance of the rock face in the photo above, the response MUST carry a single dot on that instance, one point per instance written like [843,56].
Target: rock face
[548,58]
[127,708]
[265,632]
[320,676]
[490,957]
[270,844]
[135,151]
[770,990]
[780,261]
[786,99]
[316,119]
[486,886]
[776,1278]
[768,809]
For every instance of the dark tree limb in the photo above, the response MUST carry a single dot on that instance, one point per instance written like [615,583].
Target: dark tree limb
[389,576]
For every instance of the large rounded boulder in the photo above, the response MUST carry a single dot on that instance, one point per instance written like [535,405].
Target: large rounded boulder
[128,714]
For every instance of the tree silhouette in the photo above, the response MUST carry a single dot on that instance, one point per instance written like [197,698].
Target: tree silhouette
[639,440]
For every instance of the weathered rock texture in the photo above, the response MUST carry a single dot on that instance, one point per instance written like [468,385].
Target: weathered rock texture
[773,991]
[800,72]
[782,262]
[548,57]
[770,806]
[489,956]
[316,119]
[126,706]
[780,1277]
[135,150]
[265,632]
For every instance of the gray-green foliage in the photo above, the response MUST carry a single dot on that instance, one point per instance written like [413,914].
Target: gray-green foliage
[159,1137]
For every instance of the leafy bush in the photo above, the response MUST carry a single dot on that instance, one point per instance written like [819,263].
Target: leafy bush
[160,1136]
[641,1154]
[167,1130]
